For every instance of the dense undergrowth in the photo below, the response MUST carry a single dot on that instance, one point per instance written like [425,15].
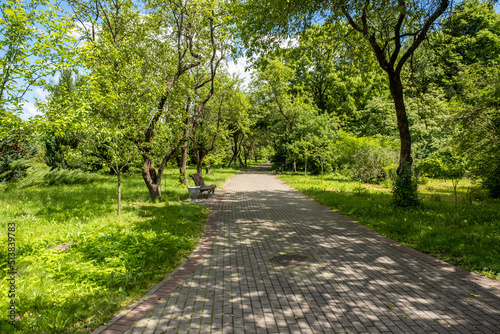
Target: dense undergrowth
[468,238]
[110,261]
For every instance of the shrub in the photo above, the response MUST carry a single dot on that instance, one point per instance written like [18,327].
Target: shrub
[442,164]
[367,157]
[54,151]
[405,188]
[431,166]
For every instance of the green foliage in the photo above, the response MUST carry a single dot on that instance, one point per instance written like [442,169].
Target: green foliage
[405,189]
[61,97]
[55,150]
[431,167]
[35,39]
[335,69]
[469,35]
[478,116]
[429,118]
[472,31]
[365,158]
[113,261]
[444,164]
[376,118]
[15,151]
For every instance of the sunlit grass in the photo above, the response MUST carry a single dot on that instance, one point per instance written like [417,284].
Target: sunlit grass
[470,240]
[113,261]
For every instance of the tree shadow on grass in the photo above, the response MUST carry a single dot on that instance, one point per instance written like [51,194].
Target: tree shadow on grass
[117,259]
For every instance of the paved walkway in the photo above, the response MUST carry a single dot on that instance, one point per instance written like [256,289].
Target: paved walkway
[358,281]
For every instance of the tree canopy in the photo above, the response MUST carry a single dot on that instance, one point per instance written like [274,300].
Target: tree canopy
[335,86]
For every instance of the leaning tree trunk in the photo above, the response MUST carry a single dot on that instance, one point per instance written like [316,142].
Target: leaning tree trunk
[235,150]
[396,87]
[153,179]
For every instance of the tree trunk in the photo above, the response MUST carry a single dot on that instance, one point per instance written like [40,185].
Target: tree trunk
[396,87]
[321,170]
[294,166]
[235,150]
[199,167]
[240,149]
[199,162]
[199,155]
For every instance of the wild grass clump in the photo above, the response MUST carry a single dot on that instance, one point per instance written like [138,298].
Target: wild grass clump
[468,237]
[44,176]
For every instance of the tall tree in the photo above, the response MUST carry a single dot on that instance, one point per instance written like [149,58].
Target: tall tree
[167,41]
[35,42]
[470,34]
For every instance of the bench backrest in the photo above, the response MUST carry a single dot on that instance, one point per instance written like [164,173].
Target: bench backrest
[198,180]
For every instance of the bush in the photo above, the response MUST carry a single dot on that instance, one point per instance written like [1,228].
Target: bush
[431,166]
[55,153]
[442,164]
[367,157]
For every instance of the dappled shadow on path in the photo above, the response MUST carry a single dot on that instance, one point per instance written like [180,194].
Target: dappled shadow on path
[356,283]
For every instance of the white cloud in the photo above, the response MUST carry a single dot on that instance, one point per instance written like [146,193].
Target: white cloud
[29,107]
[238,67]
[29,110]
[81,30]
[290,42]
[41,93]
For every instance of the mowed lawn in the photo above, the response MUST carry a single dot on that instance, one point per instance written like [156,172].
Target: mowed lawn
[109,261]
[468,237]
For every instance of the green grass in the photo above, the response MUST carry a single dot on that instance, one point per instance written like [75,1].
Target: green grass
[471,242]
[115,259]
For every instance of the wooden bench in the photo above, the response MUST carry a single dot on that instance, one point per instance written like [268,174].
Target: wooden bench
[279,170]
[198,180]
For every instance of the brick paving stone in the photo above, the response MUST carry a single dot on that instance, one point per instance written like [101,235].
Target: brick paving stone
[359,282]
